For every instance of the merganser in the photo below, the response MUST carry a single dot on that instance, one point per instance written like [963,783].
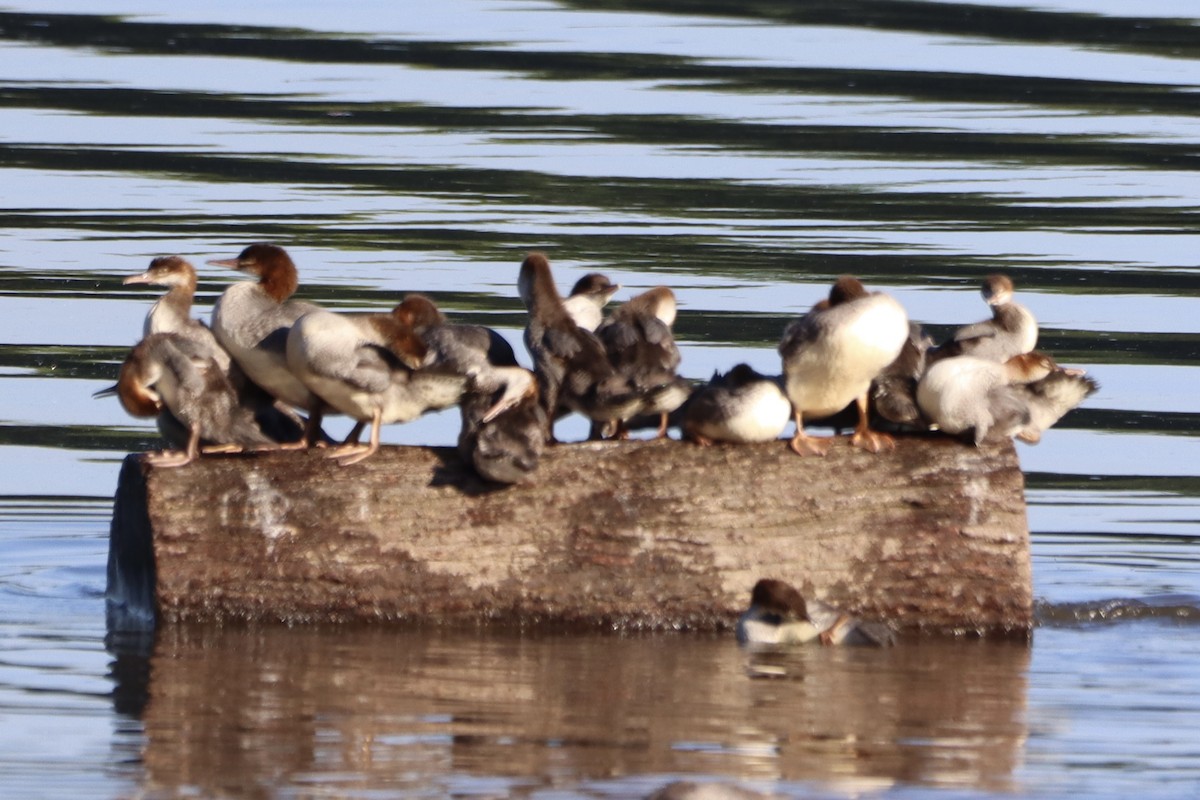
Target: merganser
[969,394]
[1012,330]
[740,406]
[171,313]
[169,372]
[588,298]
[1050,398]
[371,367]
[503,425]
[571,364]
[894,391]
[637,338]
[831,355]
[251,319]
[778,614]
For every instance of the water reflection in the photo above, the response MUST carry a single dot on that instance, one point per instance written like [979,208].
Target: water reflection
[373,709]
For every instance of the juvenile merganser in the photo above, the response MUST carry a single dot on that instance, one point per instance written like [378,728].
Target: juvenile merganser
[831,355]
[637,338]
[1012,330]
[503,425]
[588,298]
[171,313]
[571,364]
[1050,398]
[370,367]
[169,372]
[977,395]
[894,391]
[251,319]
[740,406]
[778,614]
[466,349]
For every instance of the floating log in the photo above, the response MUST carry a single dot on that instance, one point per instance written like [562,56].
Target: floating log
[932,536]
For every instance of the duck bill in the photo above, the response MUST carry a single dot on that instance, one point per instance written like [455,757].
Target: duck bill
[229,263]
[145,277]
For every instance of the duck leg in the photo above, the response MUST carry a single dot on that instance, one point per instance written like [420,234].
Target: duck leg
[352,454]
[663,424]
[802,442]
[178,458]
[866,438]
[355,432]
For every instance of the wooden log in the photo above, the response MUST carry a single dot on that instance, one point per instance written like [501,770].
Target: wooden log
[647,534]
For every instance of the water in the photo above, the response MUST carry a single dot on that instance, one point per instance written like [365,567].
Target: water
[745,157]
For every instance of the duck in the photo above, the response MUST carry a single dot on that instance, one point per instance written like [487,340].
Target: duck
[503,425]
[1050,398]
[640,346]
[171,313]
[371,367]
[588,298]
[570,363]
[991,401]
[168,372]
[741,406]
[894,391]
[467,349]
[1012,330]
[251,320]
[779,614]
[831,355]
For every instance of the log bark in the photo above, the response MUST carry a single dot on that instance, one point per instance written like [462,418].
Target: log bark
[647,534]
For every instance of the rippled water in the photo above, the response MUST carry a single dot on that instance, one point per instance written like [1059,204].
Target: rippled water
[744,155]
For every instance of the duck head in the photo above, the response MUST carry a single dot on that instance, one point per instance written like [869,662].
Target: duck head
[272,265]
[166,271]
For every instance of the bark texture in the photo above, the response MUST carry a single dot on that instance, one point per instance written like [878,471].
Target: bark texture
[657,534]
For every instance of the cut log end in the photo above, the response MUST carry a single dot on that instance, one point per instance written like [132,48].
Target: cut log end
[931,536]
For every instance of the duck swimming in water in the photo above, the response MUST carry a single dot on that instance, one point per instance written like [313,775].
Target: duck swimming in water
[588,298]
[778,614]
[371,367]
[251,319]
[167,372]
[831,355]
[571,364]
[741,406]
[640,346]
[991,401]
[1012,330]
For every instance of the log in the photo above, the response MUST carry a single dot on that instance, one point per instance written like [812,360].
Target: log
[643,534]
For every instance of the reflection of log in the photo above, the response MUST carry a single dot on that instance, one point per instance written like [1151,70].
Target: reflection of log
[639,534]
[370,710]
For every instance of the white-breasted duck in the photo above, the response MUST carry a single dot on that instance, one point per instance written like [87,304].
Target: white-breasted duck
[779,614]
[371,367]
[588,298]
[831,355]
[742,406]
[251,319]
[992,401]
[1012,330]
